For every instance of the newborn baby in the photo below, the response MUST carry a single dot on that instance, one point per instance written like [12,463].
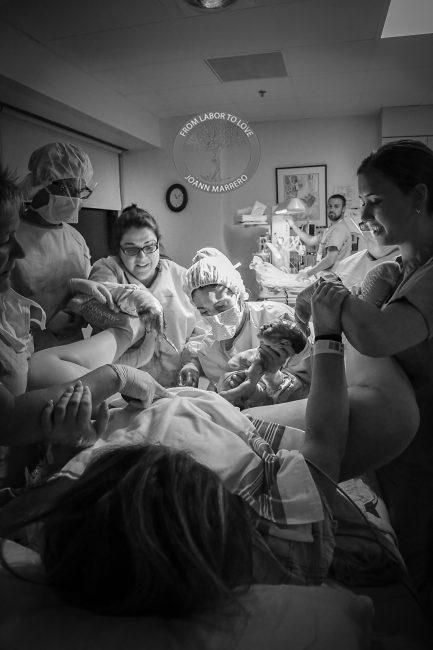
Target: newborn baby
[280,340]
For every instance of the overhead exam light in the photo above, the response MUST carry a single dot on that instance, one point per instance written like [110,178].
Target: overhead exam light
[210,4]
[290,206]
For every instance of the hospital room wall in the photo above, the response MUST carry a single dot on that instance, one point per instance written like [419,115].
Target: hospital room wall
[146,176]
[340,143]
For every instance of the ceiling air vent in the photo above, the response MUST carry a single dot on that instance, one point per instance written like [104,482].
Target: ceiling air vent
[249,66]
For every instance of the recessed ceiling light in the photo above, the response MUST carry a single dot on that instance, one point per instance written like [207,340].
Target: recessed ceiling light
[210,4]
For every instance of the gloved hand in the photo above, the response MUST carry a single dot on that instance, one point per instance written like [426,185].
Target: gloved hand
[96,290]
[138,301]
[138,385]
[189,375]
[243,360]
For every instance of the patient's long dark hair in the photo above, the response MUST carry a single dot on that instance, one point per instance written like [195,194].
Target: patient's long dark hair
[148,531]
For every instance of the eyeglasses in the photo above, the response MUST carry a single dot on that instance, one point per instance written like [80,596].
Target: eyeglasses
[135,250]
[68,187]
[364,226]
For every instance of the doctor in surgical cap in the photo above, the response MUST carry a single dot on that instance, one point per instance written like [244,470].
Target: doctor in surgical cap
[58,182]
[217,290]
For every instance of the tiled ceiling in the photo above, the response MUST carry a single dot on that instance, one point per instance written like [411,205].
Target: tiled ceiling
[153,52]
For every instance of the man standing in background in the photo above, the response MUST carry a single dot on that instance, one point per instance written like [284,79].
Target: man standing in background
[334,244]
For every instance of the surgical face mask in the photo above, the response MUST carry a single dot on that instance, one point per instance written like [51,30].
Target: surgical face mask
[60,209]
[224,325]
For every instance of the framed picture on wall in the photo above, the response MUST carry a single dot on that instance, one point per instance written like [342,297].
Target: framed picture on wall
[307,184]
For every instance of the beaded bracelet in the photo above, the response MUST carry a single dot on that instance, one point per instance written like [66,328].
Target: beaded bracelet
[327,346]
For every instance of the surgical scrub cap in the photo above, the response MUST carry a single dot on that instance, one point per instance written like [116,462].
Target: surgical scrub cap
[59,160]
[213,267]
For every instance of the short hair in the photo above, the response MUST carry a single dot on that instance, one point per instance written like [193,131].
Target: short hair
[133,217]
[338,196]
[10,193]
[405,163]
[147,530]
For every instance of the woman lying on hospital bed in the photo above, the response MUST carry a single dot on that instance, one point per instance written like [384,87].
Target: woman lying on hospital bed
[179,503]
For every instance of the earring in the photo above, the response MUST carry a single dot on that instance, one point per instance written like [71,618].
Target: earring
[418,211]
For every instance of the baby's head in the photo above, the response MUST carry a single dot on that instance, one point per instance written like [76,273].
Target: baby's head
[283,335]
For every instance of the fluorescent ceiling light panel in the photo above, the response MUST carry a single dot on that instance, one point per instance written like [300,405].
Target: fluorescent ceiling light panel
[408,18]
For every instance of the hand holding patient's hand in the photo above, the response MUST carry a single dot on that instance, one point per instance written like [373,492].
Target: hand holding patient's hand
[326,304]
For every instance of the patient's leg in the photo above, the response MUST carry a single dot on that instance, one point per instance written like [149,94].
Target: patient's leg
[68,362]
[384,415]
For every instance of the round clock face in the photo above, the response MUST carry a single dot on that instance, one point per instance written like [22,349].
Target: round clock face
[176,197]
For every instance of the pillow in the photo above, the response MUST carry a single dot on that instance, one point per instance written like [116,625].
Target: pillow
[279,617]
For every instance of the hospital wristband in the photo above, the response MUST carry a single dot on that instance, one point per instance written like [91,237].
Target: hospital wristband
[328,346]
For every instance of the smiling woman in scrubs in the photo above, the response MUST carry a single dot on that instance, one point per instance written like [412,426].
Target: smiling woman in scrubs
[138,262]
[396,191]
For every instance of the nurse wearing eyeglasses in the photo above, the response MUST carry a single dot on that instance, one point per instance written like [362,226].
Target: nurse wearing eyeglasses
[55,252]
[138,261]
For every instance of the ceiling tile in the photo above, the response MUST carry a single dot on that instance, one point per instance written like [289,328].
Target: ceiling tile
[196,95]
[320,22]
[271,111]
[398,87]
[324,87]
[48,20]
[331,58]
[131,80]
[406,51]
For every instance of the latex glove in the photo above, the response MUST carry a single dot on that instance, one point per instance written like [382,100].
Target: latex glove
[97,290]
[242,392]
[69,421]
[232,380]
[189,375]
[139,386]
[136,301]
[243,360]
[326,304]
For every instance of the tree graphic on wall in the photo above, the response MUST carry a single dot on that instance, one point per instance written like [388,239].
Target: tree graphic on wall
[214,137]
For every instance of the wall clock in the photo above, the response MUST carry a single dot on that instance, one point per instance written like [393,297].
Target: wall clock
[176,197]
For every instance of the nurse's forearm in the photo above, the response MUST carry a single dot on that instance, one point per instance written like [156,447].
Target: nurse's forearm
[365,326]
[21,425]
